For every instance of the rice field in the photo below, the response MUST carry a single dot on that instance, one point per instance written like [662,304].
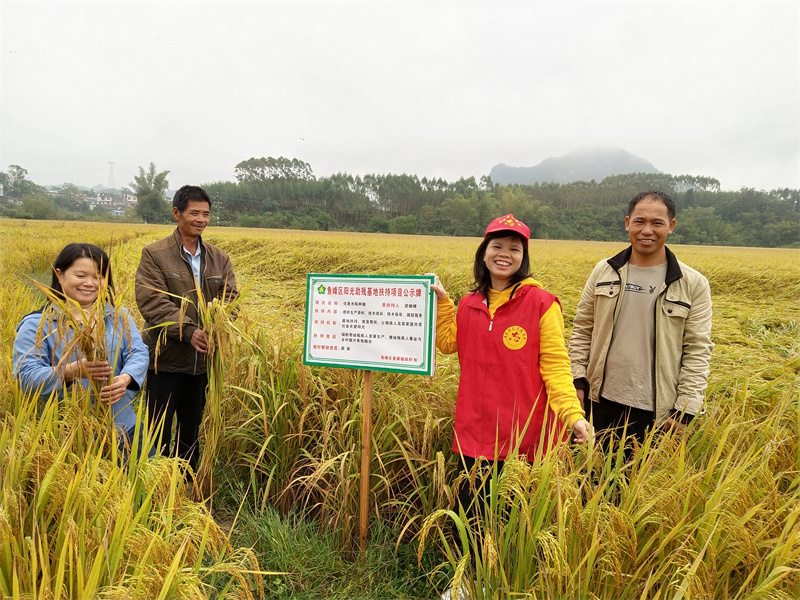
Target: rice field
[715,514]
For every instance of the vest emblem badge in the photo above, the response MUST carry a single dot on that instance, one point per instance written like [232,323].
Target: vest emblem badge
[515,337]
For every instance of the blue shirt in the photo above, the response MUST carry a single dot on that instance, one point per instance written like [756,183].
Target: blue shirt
[35,364]
[194,260]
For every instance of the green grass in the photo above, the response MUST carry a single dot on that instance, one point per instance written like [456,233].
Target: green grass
[313,564]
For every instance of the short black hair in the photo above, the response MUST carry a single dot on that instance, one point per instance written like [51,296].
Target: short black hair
[483,278]
[657,196]
[73,252]
[188,193]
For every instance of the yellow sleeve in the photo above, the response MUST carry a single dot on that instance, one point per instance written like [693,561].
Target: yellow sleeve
[446,325]
[555,369]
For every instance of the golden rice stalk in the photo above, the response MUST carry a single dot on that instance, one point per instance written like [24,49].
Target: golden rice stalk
[214,317]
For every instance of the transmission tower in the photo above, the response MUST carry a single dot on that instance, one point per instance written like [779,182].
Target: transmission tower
[111,183]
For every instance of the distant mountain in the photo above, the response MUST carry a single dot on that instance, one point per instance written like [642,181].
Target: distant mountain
[82,188]
[581,165]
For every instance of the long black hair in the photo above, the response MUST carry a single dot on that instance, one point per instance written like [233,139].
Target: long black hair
[483,278]
[73,252]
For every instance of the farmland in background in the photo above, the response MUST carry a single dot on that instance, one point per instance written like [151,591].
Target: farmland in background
[714,515]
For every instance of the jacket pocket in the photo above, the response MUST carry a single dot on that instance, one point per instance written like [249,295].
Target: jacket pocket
[214,285]
[675,309]
[176,275]
[607,289]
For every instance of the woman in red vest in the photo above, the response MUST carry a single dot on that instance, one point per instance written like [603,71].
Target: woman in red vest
[516,389]
[516,393]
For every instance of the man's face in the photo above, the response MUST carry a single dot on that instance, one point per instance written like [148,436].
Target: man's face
[194,219]
[648,227]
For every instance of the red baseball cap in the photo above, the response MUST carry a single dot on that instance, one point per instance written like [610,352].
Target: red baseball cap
[509,223]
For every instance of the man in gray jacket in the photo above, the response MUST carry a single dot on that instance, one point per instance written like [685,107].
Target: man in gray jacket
[170,273]
[641,338]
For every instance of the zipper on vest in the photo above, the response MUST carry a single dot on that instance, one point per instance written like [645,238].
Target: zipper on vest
[490,324]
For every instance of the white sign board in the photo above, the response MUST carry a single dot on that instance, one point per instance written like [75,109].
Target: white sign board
[372,322]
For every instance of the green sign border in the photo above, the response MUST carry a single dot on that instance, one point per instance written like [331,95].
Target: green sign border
[429,327]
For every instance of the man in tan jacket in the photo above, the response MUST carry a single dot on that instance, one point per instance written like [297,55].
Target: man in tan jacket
[170,270]
[641,339]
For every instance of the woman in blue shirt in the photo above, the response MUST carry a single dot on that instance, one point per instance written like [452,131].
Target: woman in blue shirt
[48,359]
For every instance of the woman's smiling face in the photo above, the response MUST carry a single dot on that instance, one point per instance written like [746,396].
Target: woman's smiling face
[81,281]
[503,258]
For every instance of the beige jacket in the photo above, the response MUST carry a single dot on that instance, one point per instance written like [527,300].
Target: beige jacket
[683,333]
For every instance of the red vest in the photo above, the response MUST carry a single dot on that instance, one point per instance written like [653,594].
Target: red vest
[501,392]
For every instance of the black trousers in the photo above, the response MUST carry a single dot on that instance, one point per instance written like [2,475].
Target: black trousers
[610,419]
[472,500]
[177,396]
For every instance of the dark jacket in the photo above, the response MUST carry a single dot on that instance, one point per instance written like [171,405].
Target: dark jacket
[163,279]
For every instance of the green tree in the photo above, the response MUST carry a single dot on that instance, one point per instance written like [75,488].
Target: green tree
[378,224]
[487,205]
[460,217]
[150,188]
[702,225]
[536,216]
[71,199]
[39,206]
[407,225]
[262,169]
[782,234]
[16,183]
[307,222]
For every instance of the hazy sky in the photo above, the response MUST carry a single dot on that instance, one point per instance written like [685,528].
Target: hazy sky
[438,89]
